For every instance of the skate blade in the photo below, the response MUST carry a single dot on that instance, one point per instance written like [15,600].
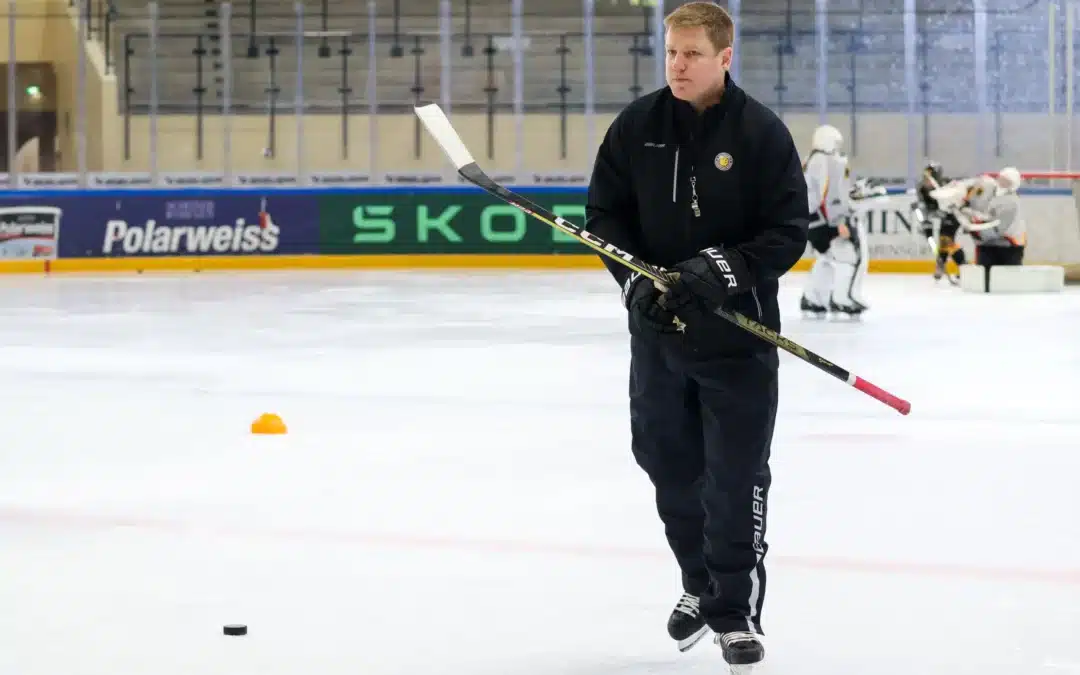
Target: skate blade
[750,669]
[686,644]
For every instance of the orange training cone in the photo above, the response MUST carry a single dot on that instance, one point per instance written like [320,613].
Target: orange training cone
[268,423]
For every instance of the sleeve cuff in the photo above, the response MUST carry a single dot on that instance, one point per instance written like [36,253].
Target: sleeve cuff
[628,286]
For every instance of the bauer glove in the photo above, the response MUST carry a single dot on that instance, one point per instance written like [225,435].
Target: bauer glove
[712,275]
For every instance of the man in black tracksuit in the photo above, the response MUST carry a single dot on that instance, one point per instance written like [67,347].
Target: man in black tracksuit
[703,180]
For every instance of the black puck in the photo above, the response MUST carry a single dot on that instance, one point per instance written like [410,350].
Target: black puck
[236,629]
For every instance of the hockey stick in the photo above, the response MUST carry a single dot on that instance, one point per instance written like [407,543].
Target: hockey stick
[438,125]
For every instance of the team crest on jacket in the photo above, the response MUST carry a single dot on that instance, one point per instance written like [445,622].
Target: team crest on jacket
[723,161]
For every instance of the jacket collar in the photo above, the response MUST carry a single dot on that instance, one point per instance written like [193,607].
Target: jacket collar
[688,123]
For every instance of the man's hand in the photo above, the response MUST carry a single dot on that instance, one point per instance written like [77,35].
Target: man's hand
[712,275]
[641,297]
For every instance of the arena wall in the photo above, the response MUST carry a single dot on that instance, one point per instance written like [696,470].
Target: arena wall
[47,33]
[405,226]
[405,209]
[877,142]
[881,142]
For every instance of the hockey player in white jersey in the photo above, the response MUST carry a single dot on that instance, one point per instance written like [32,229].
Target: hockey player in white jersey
[835,233]
[988,209]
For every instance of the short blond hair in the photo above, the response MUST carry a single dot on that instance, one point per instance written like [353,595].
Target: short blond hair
[717,23]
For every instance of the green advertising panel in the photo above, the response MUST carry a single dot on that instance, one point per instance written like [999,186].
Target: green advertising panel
[444,221]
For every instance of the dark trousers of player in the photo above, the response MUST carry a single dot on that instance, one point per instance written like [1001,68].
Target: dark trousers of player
[988,256]
[991,256]
[702,431]
[947,246]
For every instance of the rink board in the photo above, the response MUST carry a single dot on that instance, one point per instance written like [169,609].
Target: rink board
[386,227]
[375,262]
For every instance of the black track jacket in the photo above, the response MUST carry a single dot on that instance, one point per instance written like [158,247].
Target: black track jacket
[751,194]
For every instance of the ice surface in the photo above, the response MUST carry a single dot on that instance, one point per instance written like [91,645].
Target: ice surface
[456,492]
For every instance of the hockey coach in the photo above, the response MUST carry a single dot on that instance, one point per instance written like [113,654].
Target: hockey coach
[702,179]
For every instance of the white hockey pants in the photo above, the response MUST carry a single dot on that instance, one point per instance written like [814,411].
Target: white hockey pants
[838,273]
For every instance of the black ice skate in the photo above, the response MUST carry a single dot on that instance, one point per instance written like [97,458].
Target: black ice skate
[939,271]
[685,625]
[742,650]
[812,309]
[852,311]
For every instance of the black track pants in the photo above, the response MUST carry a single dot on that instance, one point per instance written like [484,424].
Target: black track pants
[702,432]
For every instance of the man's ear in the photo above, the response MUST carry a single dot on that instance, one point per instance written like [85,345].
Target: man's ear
[725,57]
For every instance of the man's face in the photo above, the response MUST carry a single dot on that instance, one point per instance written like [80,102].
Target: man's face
[694,68]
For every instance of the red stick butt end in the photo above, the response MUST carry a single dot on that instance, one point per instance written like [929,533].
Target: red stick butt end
[895,402]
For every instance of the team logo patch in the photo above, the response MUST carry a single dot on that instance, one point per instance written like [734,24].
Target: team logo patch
[723,161]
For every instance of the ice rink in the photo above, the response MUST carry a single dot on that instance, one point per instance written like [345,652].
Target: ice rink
[456,493]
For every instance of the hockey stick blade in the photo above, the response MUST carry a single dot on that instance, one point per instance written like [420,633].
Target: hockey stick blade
[438,125]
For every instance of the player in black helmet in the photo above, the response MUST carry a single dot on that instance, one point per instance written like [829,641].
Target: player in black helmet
[927,211]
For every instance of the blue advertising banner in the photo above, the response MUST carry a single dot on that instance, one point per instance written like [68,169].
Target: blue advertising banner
[45,226]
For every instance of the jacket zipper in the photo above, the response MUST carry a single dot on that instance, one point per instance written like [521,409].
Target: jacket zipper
[693,194]
[675,178]
[696,208]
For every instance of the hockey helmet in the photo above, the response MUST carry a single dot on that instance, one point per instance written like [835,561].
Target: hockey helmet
[933,169]
[1009,178]
[827,139]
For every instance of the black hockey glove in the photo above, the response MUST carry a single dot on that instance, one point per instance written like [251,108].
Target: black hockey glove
[712,275]
[641,299]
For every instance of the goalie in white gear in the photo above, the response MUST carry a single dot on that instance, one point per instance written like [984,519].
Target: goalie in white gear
[990,212]
[842,252]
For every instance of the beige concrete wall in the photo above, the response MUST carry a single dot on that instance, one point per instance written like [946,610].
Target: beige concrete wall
[1029,142]
[394,143]
[47,32]
[36,23]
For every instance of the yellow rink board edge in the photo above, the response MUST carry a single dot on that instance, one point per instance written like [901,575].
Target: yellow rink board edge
[360,262]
